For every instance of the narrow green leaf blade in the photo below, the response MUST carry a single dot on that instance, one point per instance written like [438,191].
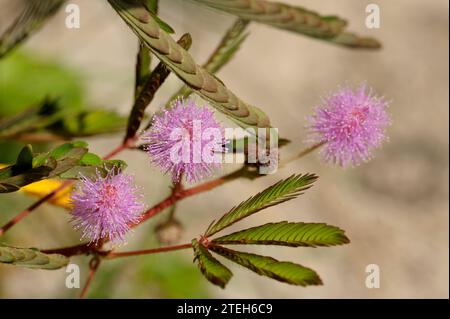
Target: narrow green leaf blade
[287,234]
[282,16]
[282,271]
[211,268]
[31,258]
[278,193]
[183,65]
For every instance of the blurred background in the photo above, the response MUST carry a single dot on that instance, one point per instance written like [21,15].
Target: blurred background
[394,209]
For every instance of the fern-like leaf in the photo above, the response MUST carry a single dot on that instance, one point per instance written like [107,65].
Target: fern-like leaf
[281,16]
[183,65]
[283,271]
[287,234]
[278,193]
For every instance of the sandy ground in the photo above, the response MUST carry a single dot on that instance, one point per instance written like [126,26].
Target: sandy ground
[394,209]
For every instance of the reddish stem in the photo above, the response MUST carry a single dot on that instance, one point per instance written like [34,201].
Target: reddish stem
[148,251]
[179,195]
[93,266]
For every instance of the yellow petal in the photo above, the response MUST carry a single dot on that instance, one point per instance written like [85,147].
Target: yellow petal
[42,188]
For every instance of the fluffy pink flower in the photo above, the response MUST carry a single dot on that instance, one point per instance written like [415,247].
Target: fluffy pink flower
[186,140]
[105,207]
[350,124]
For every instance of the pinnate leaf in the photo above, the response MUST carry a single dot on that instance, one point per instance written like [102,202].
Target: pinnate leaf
[287,234]
[283,271]
[278,193]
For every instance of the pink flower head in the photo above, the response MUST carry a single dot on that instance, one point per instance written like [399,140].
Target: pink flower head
[350,124]
[105,207]
[186,140]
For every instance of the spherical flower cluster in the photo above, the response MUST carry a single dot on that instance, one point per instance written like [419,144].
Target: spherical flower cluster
[350,124]
[106,207]
[186,140]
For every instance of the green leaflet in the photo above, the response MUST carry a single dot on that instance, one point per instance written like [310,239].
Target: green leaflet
[211,268]
[32,18]
[283,271]
[281,16]
[278,193]
[296,19]
[183,65]
[287,234]
[31,258]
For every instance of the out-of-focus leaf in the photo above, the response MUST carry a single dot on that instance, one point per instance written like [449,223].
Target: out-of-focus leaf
[211,268]
[26,79]
[296,19]
[287,234]
[283,16]
[34,15]
[92,170]
[31,258]
[63,123]
[278,193]
[183,65]
[283,271]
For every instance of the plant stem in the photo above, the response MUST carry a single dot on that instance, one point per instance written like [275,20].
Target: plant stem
[93,266]
[148,251]
[32,207]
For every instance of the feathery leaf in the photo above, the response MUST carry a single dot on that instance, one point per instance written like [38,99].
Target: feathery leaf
[283,271]
[278,193]
[287,234]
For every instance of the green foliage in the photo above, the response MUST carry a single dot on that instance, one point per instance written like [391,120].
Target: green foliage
[296,19]
[183,65]
[282,16]
[66,161]
[210,267]
[283,271]
[31,258]
[278,193]
[287,234]
[26,79]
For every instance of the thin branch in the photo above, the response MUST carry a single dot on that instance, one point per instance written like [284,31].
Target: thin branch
[93,266]
[32,207]
[148,251]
